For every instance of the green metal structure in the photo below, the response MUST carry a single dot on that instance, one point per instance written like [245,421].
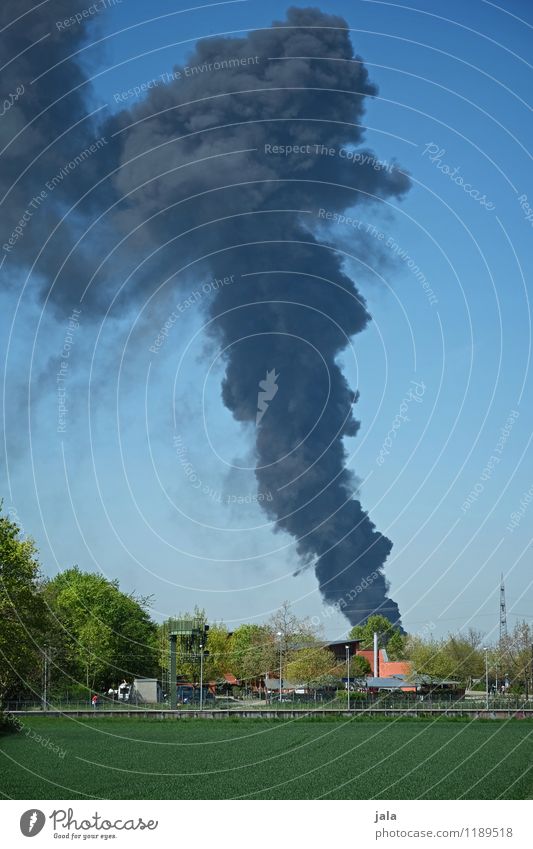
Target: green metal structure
[185,637]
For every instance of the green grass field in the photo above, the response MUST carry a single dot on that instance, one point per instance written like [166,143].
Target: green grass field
[267,759]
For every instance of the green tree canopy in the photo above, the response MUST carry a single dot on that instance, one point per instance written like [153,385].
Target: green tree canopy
[218,647]
[377,623]
[23,616]
[311,666]
[513,657]
[396,646]
[431,658]
[359,666]
[252,652]
[466,658]
[102,634]
[457,657]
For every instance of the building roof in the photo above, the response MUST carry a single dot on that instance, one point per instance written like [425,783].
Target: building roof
[386,683]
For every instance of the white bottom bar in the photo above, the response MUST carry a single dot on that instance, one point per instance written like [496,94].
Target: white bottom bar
[264,824]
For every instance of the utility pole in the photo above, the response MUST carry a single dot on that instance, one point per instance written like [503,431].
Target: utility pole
[173,693]
[280,635]
[486,678]
[503,624]
[531,668]
[201,675]
[348,668]
[45,678]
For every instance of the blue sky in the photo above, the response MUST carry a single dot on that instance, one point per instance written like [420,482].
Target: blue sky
[113,493]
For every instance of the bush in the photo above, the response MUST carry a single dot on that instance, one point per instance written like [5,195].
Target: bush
[75,693]
[355,696]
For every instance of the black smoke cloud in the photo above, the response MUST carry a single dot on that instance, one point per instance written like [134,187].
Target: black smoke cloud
[200,171]
[48,125]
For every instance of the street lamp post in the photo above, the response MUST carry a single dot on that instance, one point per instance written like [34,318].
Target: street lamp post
[280,661]
[201,676]
[486,678]
[45,679]
[348,669]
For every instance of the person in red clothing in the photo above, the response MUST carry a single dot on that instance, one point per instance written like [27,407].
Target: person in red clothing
[94,701]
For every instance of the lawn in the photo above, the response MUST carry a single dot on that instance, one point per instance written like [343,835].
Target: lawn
[267,759]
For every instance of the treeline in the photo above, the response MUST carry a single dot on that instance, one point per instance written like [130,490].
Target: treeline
[78,627]
[467,659]
[82,633]
[251,651]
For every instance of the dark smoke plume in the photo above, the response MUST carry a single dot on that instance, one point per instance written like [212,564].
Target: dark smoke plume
[48,120]
[200,168]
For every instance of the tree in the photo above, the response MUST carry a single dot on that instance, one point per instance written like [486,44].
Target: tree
[92,654]
[252,652]
[359,666]
[23,619]
[385,629]
[516,657]
[430,658]
[396,646]
[311,666]
[218,648]
[295,632]
[103,635]
[466,658]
